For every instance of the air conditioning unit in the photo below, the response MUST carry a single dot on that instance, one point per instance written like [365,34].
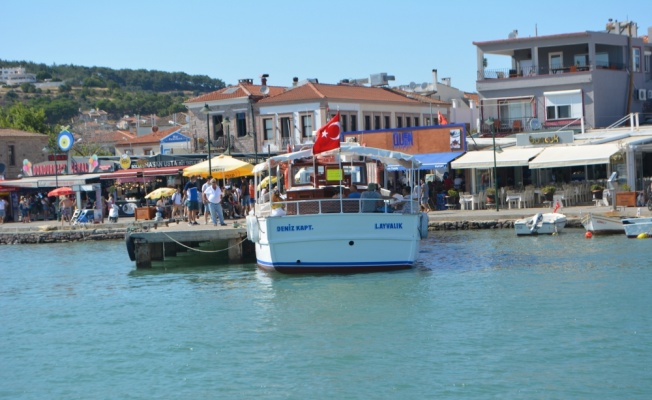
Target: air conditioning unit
[642,94]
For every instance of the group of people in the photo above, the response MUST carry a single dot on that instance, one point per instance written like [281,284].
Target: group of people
[213,200]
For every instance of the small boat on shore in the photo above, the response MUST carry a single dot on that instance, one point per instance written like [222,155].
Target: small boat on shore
[602,225]
[540,224]
[636,226]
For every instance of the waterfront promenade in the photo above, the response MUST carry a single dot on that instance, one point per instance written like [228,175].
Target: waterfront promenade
[573,212]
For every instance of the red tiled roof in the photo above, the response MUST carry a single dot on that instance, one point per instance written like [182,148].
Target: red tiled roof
[117,136]
[318,91]
[232,92]
[150,138]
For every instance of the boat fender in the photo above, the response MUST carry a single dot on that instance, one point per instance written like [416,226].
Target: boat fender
[423,225]
[131,248]
[642,236]
[535,220]
[253,228]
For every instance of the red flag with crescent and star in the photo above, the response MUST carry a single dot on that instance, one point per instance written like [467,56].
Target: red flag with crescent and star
[441,119]
[328,136]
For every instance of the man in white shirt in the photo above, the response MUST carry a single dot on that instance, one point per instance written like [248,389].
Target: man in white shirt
[212,196]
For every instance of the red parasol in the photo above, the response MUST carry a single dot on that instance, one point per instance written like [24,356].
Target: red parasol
[62,191]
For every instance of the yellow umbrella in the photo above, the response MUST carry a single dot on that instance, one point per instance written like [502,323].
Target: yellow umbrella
[222,167]
[265,182]
[164,191]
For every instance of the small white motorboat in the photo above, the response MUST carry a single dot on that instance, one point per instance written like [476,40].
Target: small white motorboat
[540,224]
[636,226]
[602,225]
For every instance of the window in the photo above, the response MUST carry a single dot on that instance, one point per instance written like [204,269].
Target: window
[581,60]
[646,61]
[399,122]
[354,122]
[563,104]
[12,155]
[387,125]
[306,126]
[556,61]
[344,122]
[636,59]
[602,60]
[241,124]
[268,127]
[285,131]
[367,123]
[408,122]
[416,121]
[377,122]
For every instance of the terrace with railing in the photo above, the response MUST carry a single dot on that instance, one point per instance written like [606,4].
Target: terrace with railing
[527,72]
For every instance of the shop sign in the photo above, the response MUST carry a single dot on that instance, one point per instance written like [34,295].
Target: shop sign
[545,138]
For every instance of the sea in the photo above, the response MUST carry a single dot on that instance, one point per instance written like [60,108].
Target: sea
[484,315]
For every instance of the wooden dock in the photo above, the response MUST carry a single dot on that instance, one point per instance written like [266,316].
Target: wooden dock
[162,240]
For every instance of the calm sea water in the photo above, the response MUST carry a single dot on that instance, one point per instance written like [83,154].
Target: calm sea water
[484,315]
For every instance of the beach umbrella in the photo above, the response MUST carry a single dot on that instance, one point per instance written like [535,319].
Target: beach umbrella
[160,192]
[265,182]
[222,167]
[62,191]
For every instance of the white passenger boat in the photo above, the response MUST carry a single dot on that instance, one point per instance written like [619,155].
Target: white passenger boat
[321,229]
[635,226]
[602,225]
[540,224]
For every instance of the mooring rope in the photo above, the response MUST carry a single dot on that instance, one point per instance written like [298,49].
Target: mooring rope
[202,251]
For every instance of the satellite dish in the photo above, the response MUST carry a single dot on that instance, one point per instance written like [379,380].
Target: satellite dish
[424,85]
[264,90]
[413,85]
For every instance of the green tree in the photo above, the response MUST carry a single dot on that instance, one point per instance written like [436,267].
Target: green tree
[23,118]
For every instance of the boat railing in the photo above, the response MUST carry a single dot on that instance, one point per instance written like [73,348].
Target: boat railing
[331,206]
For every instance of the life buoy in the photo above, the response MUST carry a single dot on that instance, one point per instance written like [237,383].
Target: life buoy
[423,225]
[253,229]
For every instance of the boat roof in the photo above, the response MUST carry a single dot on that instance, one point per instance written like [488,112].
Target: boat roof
[387,157]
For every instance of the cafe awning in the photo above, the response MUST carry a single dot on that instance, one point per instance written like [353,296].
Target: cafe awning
[133,172]
[570,156]
[35,182]
[509,157]
[430,161]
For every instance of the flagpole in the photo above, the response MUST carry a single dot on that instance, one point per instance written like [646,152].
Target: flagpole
[339,161]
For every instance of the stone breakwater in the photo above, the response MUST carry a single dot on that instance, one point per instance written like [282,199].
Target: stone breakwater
[61,236]
[493,224]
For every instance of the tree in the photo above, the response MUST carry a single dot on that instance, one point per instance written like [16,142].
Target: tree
[23,118]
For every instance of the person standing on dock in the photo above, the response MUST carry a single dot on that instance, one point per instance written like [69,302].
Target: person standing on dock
[212,196]
[193,200]
[203,204]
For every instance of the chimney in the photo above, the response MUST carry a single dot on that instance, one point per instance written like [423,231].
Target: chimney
[263,79]
[434,77]
[295,81]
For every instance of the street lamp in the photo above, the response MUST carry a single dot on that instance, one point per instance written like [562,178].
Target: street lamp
[56,168]
[226,127]
[206,110]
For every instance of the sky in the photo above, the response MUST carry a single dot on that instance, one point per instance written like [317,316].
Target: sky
[327,40]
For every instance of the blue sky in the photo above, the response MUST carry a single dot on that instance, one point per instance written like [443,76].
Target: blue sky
[327,40]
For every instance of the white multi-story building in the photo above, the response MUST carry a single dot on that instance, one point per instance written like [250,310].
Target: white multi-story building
[16,76]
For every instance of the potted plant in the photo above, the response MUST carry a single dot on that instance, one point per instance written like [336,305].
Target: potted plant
[548,192]
[597,190]
[491,195]
[453,196]
[625,197]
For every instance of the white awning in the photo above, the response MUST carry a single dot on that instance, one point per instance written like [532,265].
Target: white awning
[50,181]
[510,157]
[570,156]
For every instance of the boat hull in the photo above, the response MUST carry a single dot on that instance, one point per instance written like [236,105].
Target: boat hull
[548,224]
[339,243]
[635,226]
[600,225]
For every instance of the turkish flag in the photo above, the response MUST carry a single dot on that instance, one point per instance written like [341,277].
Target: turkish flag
[328,136]
[441,119]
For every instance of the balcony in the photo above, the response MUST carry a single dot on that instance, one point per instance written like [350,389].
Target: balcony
[528,72]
